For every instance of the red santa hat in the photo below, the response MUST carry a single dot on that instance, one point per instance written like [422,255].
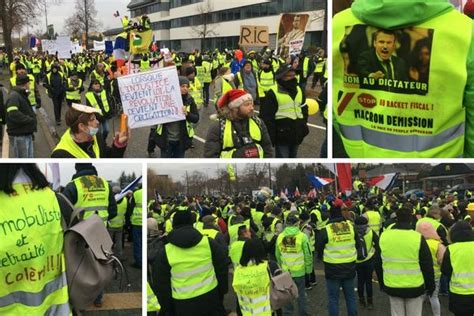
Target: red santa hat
[234,98]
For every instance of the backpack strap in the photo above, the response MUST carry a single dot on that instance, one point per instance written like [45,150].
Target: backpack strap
[75,213]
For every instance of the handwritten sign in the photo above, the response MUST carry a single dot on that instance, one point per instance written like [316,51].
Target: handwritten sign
[152,97]
[252,35]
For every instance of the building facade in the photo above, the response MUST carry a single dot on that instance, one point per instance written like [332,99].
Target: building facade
[185,25]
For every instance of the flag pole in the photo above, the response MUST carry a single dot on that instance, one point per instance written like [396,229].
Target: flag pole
[335,179]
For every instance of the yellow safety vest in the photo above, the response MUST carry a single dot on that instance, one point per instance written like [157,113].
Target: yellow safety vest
[401,266]
[287,107]
[68,144]
[375,221]
[145,65]
[368,239]
[462,257]
[320,224]
[119,220]
[90,96]
[136,217]
[376,122]
[235,251]
[152,304]
[93,196]
[292,255]
[31,95]
[271,230]
[341,246]
[252,287]
[234,230]
[207,68]
[192,271]
[209,232]
[433,245]
[98,77]
[32,274]
[266,80]
[74,95]
[228,147]
[195,90]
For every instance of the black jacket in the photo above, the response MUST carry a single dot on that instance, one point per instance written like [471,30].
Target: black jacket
[285,131]
[70,191]
[340,271]
[458,304]
[185,141]
[214,139]
[426,267]
[56,87]
[207,304]
[21,119]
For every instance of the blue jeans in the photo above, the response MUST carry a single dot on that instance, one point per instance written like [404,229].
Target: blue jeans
[172,151]
[22,146]
[288,310]
[286,151]
[137,244]
[104,129]
[444,284]
[332,287]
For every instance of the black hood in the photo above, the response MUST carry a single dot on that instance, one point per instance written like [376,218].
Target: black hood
[184,237]
[85,172]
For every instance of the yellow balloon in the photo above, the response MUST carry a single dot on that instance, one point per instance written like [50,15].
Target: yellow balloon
[313,106]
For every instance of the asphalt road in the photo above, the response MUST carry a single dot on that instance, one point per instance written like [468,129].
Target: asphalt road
[137,147]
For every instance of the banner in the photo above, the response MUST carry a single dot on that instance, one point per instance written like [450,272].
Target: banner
[64,47]
[152,97]
[252,35]
[291,32]
[99,45]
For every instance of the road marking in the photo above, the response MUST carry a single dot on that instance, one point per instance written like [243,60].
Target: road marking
[202,140]
[310,125]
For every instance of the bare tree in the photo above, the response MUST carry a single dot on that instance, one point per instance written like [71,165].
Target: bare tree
[204,29]
[83,20]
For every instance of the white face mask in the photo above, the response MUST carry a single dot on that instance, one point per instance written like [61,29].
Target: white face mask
[92,131]
[229,77]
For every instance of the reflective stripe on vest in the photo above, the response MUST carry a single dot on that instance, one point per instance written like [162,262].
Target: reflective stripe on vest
[228,148]
[35,282]
[136,217]
[90,96]
[68,144]
[287,107]
[267,80]
[192,272]
[401,267]
[93,196]
[74,95]
[341,246]
[377,122]
[252,287]
[292,255]
[152,304]
[462,257]
[119,220]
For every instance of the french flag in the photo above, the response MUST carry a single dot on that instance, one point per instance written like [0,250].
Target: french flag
[385,181]
[318,182]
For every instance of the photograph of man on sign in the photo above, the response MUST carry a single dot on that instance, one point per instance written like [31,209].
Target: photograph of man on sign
[292,28]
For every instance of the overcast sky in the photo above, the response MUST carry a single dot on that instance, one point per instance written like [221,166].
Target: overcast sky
[105,10]
[110,171]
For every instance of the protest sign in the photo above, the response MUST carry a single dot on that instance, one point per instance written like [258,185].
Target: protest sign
[99,45]
[49,46]
[64,47]
[292,29]
[253,35]
[152,97]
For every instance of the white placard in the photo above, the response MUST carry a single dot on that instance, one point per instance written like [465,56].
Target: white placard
[64,47]
[49,46]
[151,97]
[99,45]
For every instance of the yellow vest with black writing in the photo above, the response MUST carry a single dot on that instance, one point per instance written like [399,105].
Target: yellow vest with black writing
[462,257]
[136,217]
[401,266]
[252,287]
[287,107]
[228,147]
[341,246]
[152,304]
[92,196]
[292,254]
[68,144]
[31,95]
[189,125]
[119,220]
[32,268]
[424,122]
[74,95]
[192,271]
[90,96]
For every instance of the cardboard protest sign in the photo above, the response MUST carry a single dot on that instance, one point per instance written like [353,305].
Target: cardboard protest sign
[291,33]
[64,47]
[252,35]
[152,97]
